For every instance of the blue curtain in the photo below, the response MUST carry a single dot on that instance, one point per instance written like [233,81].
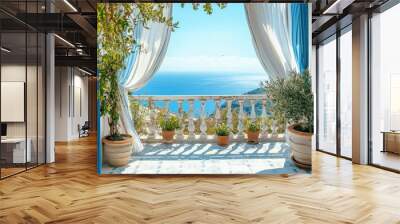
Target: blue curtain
[300,29]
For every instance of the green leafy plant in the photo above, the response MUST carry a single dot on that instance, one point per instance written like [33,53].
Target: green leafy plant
[139,114]
[116,24]
[115,27]
[222,130]
[170,123]
[253,126]
[207,7]
[292,97]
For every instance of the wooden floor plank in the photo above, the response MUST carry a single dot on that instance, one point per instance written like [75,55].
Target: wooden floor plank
[70,191]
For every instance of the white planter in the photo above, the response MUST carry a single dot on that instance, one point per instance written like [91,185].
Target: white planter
[117,153]
[300,144]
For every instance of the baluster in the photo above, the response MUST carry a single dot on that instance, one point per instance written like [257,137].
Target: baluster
[191,127]
[274,129]
[263,124]
[217,110]
[181,121]
[229,115]
[241,120]
[166,107]
[253,110]
[203,125]
[151,126]
[286,132]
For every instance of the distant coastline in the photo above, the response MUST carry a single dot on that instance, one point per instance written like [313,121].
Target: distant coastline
[169,83]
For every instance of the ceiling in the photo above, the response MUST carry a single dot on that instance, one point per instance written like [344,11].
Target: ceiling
[328,16]
[74,22]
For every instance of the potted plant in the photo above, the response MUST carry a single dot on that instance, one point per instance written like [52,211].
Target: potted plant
[222,131]
[116,40]
[292,97]
[253,131]
[115,44]
[168,126]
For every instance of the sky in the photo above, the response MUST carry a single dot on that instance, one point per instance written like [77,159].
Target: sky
[220,42]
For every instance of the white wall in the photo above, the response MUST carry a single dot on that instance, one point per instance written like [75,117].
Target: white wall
[16,73]
[79,117]
[70,83]
[12,73]
[62,83]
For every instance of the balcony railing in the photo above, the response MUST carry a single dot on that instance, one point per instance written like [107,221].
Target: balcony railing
[198,116]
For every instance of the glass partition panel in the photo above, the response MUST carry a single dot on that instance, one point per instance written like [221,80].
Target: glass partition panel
[385,89]
[32,97]
[22,88]
[14,145]
[327,96]
[346,94]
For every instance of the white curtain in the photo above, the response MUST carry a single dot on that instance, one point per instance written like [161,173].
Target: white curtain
[269,25]
[141,66]
[154,39]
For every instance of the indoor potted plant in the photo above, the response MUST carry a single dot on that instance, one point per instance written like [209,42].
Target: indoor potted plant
[115,44]
[168,126]
[292,97]
[253,131]
[222,131]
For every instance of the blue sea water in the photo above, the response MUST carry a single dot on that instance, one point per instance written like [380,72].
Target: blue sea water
[191,83]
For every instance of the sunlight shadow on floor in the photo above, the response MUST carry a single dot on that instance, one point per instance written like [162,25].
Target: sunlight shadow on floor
[236,158]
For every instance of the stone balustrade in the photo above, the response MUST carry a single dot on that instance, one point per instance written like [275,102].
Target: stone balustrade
[191,116]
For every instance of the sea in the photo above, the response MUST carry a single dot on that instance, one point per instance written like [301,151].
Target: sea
[199,83]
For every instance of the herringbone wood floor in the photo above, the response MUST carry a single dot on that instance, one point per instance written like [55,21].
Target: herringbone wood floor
[70,191]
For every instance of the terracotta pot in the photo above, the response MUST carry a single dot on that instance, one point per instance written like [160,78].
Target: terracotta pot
[253,137]
[300,144]
[117,153]
[222,140]
[168,136]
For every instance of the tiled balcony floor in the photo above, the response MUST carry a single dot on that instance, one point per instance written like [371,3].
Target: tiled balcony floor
[237,158]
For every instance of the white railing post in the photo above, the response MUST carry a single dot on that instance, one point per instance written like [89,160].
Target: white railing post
[253,111]
[189,123]
[151,125]
[181,121]
[229,115]
[274,129]
[166,107]
[203,124]
[217,110]
[191,127]
[241,120]
[264,127]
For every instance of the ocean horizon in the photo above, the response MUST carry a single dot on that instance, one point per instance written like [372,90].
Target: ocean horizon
[200,83]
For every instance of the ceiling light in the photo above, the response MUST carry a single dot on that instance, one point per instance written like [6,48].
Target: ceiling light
[84,71]
[65,41]
[70,5]
[5,50]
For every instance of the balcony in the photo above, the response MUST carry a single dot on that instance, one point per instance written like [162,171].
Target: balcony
[198,116]
[194,149]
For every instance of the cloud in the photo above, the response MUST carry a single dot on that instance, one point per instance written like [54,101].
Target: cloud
[212,64]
